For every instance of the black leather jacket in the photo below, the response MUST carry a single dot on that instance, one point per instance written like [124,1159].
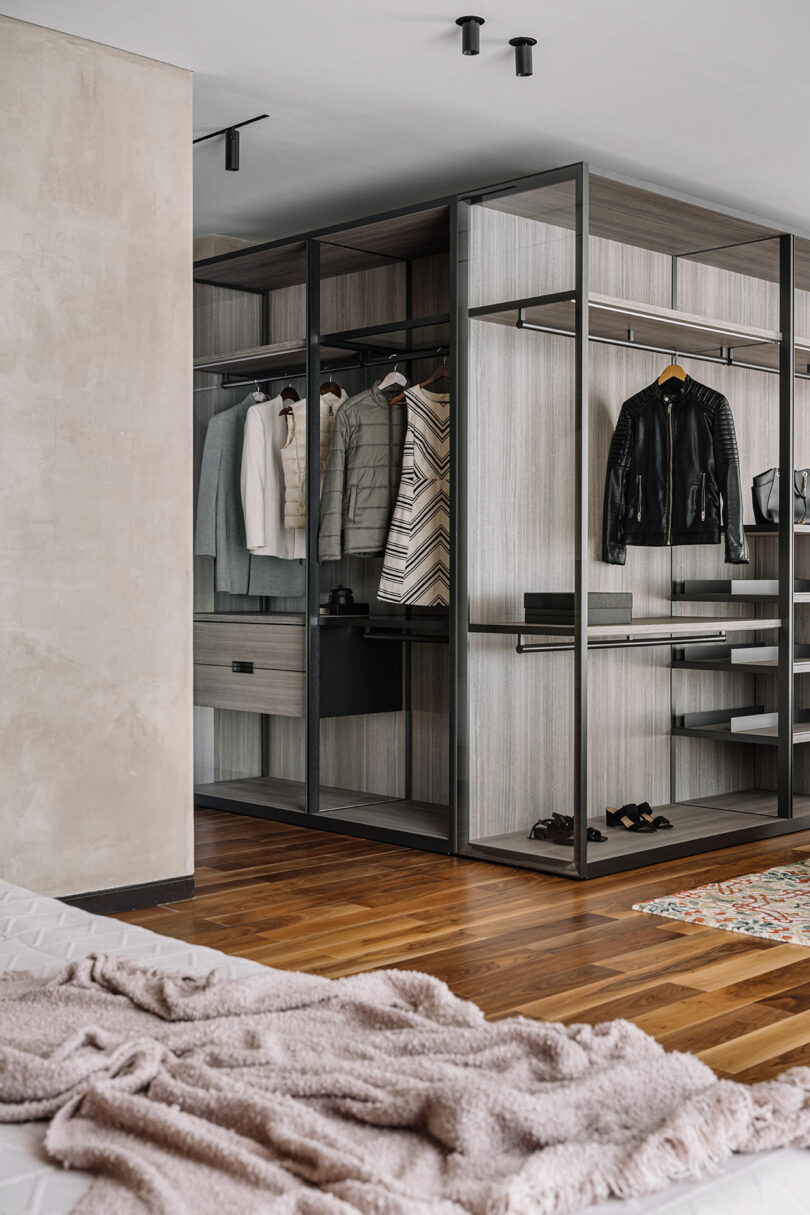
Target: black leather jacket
[672,458]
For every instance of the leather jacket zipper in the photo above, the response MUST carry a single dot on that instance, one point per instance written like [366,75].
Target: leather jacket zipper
[702,497]
[638,507]
[669,521]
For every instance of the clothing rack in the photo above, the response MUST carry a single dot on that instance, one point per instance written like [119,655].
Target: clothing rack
[726,360]
[628,644]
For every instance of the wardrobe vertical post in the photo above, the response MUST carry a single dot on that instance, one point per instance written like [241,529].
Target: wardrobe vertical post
[459,599]
[266,602]
[787,368]
[313,517]
[581,518]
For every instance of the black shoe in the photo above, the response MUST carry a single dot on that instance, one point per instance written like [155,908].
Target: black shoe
[630,818]
[657,822]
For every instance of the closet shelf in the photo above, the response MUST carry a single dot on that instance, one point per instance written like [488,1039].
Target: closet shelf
[438,626]
[652,626]
[719,597]
[769,667]
[702,818]
[744,659]
[612,319]
[747,725]
[277,356]
[763,529]
[398,331]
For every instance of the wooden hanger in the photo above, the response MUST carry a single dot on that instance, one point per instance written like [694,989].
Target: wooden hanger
[673,372]
[441,373]
[331,386]
[289,394]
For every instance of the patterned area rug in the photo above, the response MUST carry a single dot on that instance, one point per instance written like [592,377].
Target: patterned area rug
[774,904]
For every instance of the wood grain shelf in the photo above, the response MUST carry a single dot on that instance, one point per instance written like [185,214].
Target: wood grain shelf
[717,727]
[346,805]
[633,213]
[287,795]
[768,667]
[721,597]
[611,318]
[764,529]
[405,814]
[651,626]
[345,250]
[285,356]
[396,333]
[695,820]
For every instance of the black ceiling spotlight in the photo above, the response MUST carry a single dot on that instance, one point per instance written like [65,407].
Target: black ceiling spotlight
[231,141]
[470,34]
[523,55]
[232,150]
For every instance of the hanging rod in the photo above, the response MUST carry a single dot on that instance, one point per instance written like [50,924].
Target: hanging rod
[403,356]
[629,643]
[408,356]
[725,360]
[272,379]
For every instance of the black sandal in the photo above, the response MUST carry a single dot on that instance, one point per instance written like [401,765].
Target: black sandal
[629,817]
[559,829]
[657,822]
[553,830]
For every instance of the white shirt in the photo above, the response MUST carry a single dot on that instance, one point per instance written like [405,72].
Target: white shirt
[262,484]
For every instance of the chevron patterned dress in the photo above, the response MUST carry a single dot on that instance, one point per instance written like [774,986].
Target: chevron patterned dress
[416,568]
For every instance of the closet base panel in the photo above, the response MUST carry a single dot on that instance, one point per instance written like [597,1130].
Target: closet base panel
[424,818]
[287,795]
[697,826]
[403,821]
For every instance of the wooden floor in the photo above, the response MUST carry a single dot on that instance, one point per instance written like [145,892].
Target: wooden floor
[513,941]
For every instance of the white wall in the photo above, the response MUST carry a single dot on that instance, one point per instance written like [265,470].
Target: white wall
[95,465]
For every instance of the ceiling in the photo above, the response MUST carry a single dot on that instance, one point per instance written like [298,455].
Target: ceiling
[373,106]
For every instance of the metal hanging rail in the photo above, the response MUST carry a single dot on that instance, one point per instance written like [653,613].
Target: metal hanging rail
[630,643]
[379,360]
[727,360]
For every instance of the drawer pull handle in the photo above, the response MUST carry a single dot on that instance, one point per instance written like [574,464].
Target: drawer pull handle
[242,668]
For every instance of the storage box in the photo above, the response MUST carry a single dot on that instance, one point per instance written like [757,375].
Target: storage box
[604,607]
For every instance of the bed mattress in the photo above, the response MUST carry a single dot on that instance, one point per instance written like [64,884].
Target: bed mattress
[41,934]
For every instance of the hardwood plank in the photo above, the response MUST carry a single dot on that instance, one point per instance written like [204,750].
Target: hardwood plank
[745,1050]
[512,940]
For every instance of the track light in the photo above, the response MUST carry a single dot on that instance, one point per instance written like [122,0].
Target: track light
[523,55]
[231,141]
[232,150]
[470,34]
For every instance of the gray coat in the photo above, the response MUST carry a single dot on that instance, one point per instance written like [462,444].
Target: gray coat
[221,522]
[362,476]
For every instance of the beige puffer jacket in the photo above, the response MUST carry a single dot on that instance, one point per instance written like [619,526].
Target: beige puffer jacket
[294,454]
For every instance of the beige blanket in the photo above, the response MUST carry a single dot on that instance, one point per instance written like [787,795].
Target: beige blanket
[382,1094]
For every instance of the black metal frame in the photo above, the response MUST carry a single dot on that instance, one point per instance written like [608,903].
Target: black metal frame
[371,353]
[578,864]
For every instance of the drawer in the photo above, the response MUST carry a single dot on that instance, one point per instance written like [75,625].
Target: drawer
[278,647]
[262,691]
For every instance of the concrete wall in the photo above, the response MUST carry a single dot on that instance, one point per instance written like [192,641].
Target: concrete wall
[95,465]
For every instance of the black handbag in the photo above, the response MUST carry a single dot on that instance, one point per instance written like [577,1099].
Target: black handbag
[765,493]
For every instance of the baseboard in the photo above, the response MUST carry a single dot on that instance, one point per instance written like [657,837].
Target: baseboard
[129,898]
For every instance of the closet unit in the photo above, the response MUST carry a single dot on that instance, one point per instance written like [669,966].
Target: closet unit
[455,727]
[581,288]
[340,720]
